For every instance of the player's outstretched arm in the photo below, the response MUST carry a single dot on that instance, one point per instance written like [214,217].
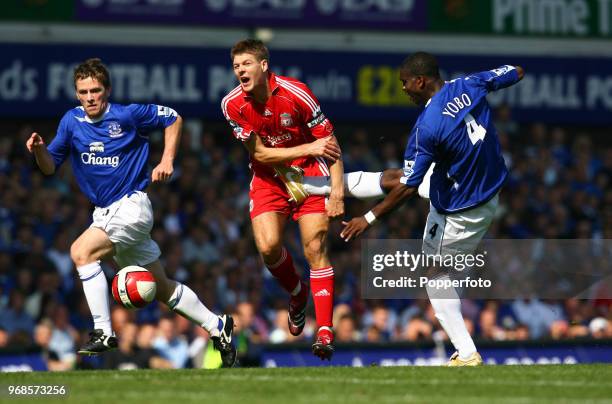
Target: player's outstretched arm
[172,137]
[520,71]
[326,148]
[356,226]
[36,145]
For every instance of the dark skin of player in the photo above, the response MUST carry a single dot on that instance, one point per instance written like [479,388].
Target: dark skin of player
[420,89]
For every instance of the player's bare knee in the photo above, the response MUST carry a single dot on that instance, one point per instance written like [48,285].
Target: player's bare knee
[78,255]
[270,251]
[315,249]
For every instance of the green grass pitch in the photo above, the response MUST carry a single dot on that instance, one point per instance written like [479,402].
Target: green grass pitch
[373,385]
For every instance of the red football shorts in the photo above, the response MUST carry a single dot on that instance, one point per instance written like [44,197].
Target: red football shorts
[268,194]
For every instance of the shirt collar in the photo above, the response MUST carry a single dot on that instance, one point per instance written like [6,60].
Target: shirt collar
[272,82]
[98,119]
[429,100]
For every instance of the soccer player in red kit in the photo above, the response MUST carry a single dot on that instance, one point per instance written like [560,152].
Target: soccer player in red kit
[279,121]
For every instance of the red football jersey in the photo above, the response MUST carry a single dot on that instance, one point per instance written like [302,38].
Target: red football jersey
[291,116]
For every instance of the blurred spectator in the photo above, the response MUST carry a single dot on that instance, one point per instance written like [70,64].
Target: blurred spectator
[280,333]
[250,323]
[43,335]
[63,336]
[15,318]
[417,329]
[124,358]
[198,246]
[250,330]
[346,330]
[120,317]
[4,338]
[380,323]
[600,327]
[46,295]
[146,354]
[59,254]
[170,344]
[504,122]
[537,315]
[198,347]
[521,333]
[373,334]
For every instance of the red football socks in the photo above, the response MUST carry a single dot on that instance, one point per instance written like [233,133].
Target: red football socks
[322,288]
[284,271]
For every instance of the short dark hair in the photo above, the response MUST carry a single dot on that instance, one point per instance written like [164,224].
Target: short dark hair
[93,68]
[421,64]
[252,46]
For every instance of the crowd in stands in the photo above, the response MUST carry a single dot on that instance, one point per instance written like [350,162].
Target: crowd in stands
[559,188]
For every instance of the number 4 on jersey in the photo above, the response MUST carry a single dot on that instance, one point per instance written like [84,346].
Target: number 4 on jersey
[433,231]
[475,131]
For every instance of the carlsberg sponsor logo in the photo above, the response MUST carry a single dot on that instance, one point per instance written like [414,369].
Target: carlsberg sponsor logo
[92,159]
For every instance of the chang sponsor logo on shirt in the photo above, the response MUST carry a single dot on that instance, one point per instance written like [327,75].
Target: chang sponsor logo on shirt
[92,158]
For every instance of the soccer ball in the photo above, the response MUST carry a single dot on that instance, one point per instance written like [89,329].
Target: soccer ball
[133,287]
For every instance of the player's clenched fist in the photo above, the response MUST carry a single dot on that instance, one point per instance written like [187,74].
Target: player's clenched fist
[334,208]
[162,172]
[34,141]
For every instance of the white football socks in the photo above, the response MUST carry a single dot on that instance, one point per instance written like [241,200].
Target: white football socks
[447,307]
[185,302]
[358,184]
[95,288]
[361,185]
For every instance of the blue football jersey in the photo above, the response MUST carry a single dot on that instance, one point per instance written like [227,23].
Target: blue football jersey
[455,130]
[109,155]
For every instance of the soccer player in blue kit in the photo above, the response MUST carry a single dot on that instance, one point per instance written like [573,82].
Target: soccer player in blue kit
[109,151]
[455,133]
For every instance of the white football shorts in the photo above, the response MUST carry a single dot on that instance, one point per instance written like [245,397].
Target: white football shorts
[128,223]
[457,233]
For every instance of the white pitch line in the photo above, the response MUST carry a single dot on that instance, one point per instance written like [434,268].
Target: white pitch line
[386,381]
